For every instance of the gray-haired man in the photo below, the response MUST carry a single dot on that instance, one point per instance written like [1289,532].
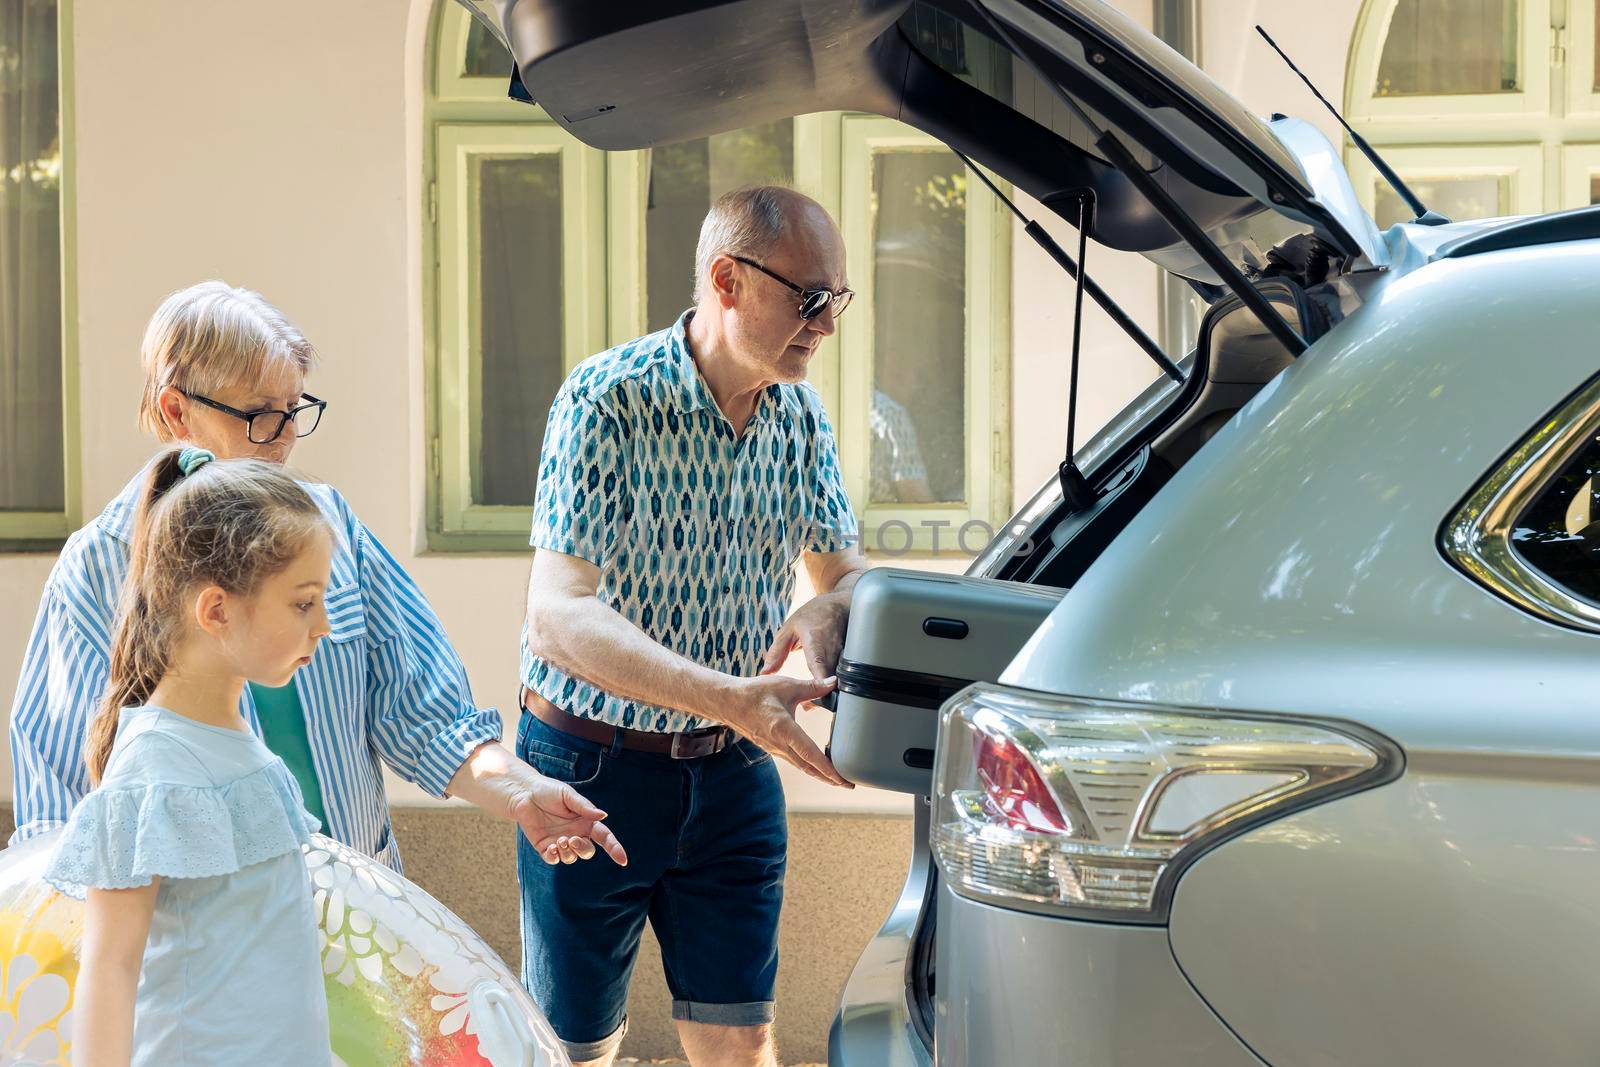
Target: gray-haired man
[683,475]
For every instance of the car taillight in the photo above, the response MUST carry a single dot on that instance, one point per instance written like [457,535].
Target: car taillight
[1095,807]
[1013,791]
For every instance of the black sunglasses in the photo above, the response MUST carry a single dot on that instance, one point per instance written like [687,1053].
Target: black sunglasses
[266,425]
[812,301]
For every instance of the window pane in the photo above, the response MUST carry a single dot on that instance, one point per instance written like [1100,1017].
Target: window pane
[919,291]
[1560,534]
[1454,198]
[486,56]
[1447,47]
[684,179]
[32,460]
[519,271]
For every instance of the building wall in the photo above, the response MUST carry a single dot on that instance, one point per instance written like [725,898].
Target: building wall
[279,147]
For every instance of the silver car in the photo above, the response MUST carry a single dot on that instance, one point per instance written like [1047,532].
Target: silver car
[1302,766]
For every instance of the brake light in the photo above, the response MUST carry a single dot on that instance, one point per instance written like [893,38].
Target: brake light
[1014,792]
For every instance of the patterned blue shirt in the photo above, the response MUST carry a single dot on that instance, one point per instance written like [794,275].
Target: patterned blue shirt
[695,531]
[384,685]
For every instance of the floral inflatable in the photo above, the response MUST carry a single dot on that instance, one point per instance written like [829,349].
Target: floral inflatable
[409,984]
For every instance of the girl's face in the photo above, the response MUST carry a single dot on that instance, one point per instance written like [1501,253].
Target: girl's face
[279,626]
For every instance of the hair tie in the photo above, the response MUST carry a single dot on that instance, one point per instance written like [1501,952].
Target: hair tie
[192,459]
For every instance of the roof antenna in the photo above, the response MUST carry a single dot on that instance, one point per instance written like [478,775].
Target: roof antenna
[1424,216]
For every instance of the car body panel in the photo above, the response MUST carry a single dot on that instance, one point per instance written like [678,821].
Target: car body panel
[1323,165]
[1292,565]
[1029,989]
[874,1024]
[1445,919]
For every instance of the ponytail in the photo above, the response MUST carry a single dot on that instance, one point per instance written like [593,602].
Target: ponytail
[139,651]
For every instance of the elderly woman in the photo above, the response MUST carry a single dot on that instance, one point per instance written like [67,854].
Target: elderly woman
[225,371]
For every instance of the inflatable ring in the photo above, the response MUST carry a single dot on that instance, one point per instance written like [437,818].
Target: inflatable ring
[408,982]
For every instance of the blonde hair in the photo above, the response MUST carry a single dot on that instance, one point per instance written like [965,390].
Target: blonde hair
[211,336]
[230,523]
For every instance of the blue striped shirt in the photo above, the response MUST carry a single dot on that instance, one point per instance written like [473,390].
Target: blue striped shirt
[384,685]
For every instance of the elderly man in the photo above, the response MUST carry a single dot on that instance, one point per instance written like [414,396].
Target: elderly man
[683,475]
[225,371]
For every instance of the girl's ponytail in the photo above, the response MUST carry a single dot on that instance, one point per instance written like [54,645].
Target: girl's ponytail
[139,645]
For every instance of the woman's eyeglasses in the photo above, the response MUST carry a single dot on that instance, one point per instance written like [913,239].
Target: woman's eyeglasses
[266,425]
[812,301]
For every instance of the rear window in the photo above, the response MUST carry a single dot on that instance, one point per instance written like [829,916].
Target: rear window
[1559,534]
[962,45]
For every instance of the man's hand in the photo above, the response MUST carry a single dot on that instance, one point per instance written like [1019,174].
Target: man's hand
[817,626]
[561,825]
[762,709]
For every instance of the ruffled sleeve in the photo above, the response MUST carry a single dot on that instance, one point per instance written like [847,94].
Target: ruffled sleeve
[122,836]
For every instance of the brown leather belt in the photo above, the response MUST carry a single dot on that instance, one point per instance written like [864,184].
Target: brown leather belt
[690,744]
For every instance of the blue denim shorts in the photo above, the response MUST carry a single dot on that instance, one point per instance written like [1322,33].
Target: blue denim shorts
[706,840]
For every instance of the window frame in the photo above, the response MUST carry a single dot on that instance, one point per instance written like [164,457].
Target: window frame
[47,530]
[606,297]
[1365,109]
[460,353]
[1583,75]
[1579,164]
[451,85]
[1552,118]
[1522,167]
[988,315]
[1478,539]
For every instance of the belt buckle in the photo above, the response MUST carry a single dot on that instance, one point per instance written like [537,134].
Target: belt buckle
[697,744]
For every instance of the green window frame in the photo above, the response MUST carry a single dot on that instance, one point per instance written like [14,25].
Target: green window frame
[462,148]
[605,298]
[987,317]
[46,530]
[1520,151]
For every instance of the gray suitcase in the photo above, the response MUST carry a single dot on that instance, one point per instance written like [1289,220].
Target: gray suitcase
[915,639]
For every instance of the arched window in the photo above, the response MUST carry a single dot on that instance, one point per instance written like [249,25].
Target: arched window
[1486,107]
[545,251]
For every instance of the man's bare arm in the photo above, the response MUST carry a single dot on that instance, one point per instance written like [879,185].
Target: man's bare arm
[569,626]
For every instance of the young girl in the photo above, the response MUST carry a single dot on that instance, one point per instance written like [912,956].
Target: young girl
[200,944]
